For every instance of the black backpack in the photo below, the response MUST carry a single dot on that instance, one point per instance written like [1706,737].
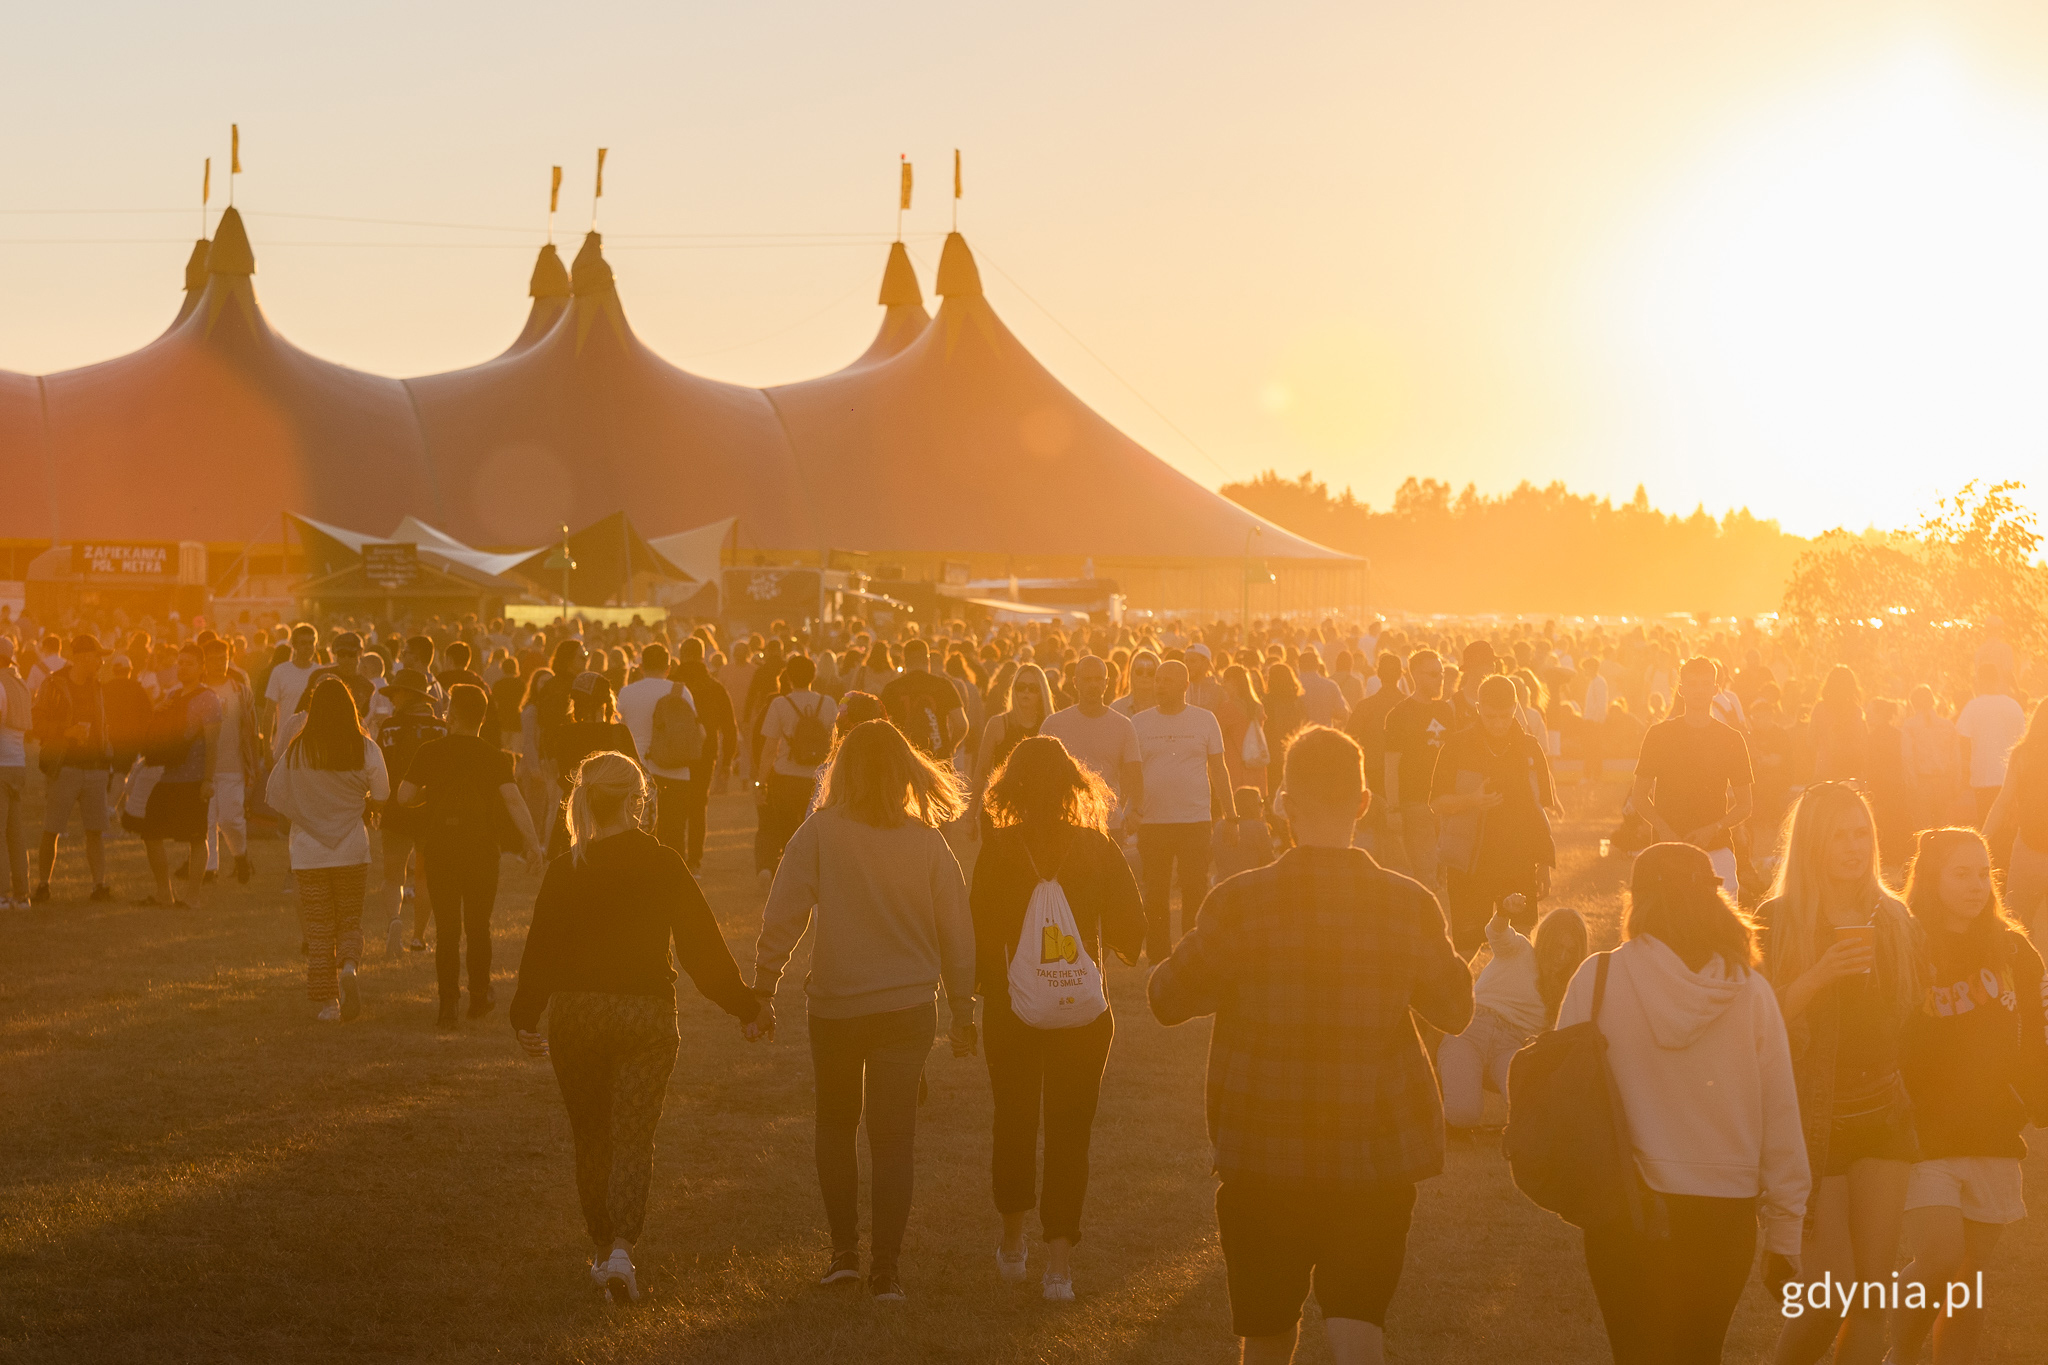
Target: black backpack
[678,738]
[811,741]
[1567,1140]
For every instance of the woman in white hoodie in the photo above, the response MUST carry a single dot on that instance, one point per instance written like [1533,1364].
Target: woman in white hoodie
[1698,1052]
[323,784]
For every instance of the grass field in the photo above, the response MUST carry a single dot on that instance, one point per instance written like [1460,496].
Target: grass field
[193,1169]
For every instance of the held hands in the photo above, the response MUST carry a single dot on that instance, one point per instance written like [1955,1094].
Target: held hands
[963,1039]
[761,1028]
[1779,1271]
[536,1044]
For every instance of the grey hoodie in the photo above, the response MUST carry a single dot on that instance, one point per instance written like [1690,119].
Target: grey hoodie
[1705,1077]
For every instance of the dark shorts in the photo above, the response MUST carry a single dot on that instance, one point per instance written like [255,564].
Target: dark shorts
[1885,1134]
[1346,1243]
[175,812]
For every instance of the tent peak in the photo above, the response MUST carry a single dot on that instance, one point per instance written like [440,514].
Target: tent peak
[591,273]
[899,281]
[230,253]
[958,275]
[195,266]
[550,279]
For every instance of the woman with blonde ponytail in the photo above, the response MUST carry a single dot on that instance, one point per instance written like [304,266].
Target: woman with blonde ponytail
[1845,958]
[597,960]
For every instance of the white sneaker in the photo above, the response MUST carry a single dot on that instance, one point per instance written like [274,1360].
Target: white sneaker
[616,1278]
[1012,1269]
[331,1014]
[1059,1288]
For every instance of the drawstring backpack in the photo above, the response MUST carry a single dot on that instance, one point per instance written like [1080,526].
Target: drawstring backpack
[1053,982]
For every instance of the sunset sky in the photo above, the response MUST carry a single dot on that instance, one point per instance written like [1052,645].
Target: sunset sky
[1789,256]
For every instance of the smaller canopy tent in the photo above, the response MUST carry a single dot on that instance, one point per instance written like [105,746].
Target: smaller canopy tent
[904,318]
[413,531]
[699,553]
[609,554]
[963,442]
[340,572]
[220,426]
[587,419]
[329,548]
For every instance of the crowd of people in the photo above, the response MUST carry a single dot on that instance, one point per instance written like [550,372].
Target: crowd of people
[1824,1024]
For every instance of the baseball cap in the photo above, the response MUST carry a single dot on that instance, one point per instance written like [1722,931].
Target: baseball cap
[588,684]
[1199,648]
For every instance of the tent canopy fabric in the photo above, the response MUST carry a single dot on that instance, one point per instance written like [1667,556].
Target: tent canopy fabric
[608,553]
[698,553]
[214,430]
[937,447]
[944,436]
[904,318]
[331,548]
[588,420]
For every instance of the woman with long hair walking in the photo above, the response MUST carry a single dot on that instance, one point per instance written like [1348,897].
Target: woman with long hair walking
[1050,892]
[597,961]
[1845,959]
[329,774]
[1976,1063]
[890,905]
[1698,1055]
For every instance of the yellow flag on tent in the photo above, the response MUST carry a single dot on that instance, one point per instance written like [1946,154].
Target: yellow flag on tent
[206,183]
[903,200]
[555,191]
[600,172]
[956,172]
[234,149]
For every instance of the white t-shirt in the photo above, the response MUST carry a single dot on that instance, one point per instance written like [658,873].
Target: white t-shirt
[1993,723]
[287,684]
[779,726]
[1176,750]
[1103,744]
[228,754]
[637,701]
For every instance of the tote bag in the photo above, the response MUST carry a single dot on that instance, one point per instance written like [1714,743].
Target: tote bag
[1053,981]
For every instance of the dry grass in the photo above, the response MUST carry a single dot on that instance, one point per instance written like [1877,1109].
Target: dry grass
[192,1169]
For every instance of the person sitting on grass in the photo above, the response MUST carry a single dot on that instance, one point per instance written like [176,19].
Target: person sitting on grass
[597,961]
[1322,1108]
[1517,997]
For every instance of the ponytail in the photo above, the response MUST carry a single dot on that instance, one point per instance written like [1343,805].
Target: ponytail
[602,785]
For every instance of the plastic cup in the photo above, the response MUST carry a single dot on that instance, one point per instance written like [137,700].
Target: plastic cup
[1860,933]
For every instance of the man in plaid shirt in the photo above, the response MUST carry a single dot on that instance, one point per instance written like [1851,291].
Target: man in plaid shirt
[1322,1104]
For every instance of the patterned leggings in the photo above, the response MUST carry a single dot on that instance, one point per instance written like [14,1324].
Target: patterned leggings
[331,914]
[612,1056]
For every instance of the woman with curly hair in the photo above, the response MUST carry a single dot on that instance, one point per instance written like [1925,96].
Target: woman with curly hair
[1049,818]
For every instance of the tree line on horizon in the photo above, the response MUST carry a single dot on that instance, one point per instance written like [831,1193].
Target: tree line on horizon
[1536,550]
